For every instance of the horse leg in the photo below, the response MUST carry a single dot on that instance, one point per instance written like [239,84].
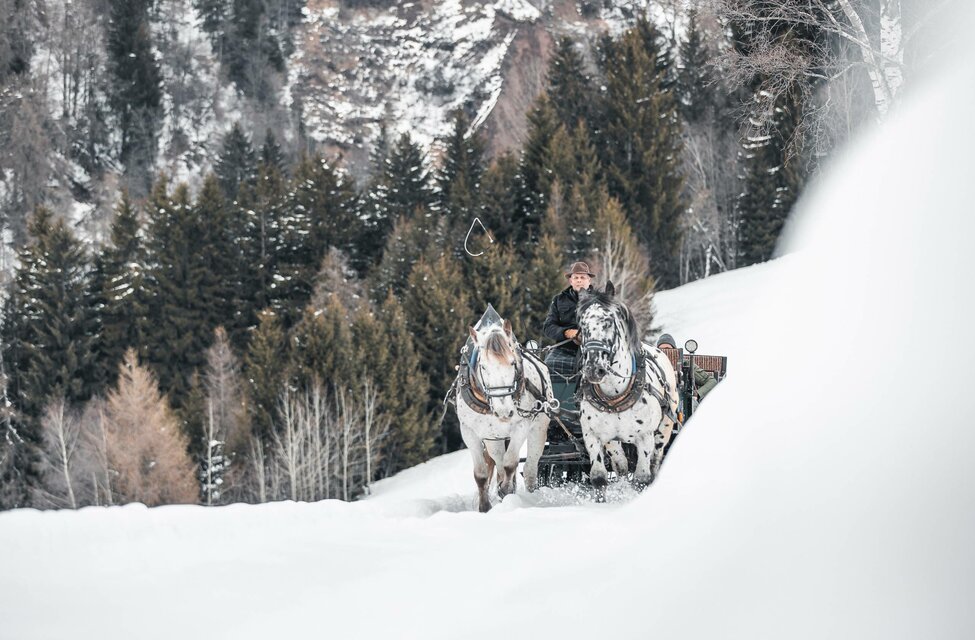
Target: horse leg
[482,468]
[617,458]
[646,451]
[597,471]
[495,450]
[666,432]
[536,445]
[512,456]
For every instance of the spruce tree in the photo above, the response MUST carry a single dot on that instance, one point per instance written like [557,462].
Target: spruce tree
[499,197]
[401,190]
[570,89]
[642,143]
[185,291]
[120,289]
[266,371]
[458,183]
[534,172]
[496,278]
[272,157]
[322,348]
[771,184]
[438,303]
[405,388]
[321,211]
[252,51]
[49,319]
[544,277]
[236,163]
[696,81]
[262,217]
[136,88]
[409,241]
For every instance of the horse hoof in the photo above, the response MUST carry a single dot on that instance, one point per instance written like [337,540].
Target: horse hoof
[642,482]
[599,481]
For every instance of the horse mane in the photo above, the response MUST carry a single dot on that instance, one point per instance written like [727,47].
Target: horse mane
[604,299]
[496,345]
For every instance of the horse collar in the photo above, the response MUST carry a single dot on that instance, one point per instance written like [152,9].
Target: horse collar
[624,401]
[475,398]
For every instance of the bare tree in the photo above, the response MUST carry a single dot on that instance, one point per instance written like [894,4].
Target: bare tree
[868,37]
[622,260]
[61,433]
[708,242]
[226,432]
[324,449]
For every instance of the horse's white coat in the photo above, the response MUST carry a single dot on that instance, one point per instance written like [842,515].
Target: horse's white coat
[485,435]
[644,424]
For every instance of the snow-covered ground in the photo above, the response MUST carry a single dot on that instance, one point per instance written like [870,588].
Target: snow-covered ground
[826,489]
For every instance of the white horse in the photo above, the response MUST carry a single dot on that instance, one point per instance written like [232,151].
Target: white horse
[502,398]
[629,390]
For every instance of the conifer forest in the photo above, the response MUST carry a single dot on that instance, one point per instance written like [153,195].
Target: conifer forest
[219,286]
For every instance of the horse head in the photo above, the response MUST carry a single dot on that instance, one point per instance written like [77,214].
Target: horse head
[608,332]
[497,368]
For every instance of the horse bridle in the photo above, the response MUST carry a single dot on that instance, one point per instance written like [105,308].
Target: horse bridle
[601,346]
[503,391]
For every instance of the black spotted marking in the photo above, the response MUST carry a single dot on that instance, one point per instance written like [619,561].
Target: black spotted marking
[639,421]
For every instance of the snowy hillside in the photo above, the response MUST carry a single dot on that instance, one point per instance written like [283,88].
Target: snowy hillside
[823,490]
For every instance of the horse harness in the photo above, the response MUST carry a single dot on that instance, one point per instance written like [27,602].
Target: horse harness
[634,390]
[477,396]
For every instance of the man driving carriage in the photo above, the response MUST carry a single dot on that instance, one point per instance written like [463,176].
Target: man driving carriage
[561,327]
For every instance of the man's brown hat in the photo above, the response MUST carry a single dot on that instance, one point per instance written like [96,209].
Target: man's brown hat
[580,267]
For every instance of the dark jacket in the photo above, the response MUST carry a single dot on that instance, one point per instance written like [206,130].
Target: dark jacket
[562,316]
[704,381]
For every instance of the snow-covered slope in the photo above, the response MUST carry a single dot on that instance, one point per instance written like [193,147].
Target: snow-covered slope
[824,490]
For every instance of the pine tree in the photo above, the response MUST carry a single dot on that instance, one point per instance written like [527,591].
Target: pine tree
[534,181]
[499,196]
[402,190]
[136,88]
[266,371]
[320,212]
[642,144]
[322,348]
[570,89]
[696,81]
[272,157]
[48,350]
[50,319]
[120,289]
[772,182]
[186,291]
[252,51]
[438,304]
[544,277]
[405,388]
[459,179]
[236,163]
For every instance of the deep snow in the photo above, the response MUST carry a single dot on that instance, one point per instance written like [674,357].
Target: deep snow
[825,489]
